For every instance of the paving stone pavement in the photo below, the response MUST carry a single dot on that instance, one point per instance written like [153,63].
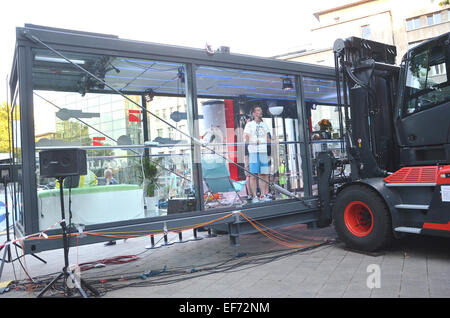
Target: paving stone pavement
[416,266]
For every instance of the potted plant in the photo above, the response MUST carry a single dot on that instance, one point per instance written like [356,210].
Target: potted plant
[326,127]
[151,173]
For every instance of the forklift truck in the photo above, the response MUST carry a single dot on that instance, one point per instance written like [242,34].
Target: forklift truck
[397,139]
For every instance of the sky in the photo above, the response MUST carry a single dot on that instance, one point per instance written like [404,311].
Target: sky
[254,27]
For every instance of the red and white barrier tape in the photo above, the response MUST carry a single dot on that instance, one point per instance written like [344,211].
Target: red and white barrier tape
[40,234]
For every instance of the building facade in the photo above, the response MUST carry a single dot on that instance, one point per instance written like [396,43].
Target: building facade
[403,24]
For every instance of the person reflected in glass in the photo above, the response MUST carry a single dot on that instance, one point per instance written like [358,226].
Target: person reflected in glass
[109,179]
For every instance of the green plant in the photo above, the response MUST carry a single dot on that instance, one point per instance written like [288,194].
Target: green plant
[151,174]
[325,125]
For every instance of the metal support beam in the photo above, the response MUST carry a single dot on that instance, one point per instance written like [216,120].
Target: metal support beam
[304,137]
[28,156]
[325,163]
[145,125]
[192,116]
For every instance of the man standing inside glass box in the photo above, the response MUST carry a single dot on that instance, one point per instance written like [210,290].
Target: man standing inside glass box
[257,139]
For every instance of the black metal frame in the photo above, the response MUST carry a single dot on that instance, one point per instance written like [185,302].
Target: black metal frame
[278,213]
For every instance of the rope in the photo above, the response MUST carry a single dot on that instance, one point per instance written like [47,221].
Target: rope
[109,261]
[275,236]
[129,234]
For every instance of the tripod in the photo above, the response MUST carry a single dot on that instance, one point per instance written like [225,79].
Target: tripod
[65,273]
[7,257]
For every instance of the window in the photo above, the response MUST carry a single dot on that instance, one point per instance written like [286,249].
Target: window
[437,18]
[434,18]
[417,23]
[409,25]
[437,70]
[365,32]
[427,83]
[160,132]
[412,24]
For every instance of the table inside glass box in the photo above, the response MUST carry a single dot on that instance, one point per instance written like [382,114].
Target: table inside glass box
[92,205]
[324,145]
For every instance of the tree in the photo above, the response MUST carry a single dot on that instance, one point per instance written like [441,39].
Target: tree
[4,138]
[73,131]
[444,3]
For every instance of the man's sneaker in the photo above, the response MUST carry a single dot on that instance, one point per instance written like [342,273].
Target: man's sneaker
[266,198]
[249,197]
[255,200]
[110,243]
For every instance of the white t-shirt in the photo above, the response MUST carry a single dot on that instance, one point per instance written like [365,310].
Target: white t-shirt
[257,132]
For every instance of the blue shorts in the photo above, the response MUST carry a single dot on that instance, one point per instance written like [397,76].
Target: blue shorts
[258,162]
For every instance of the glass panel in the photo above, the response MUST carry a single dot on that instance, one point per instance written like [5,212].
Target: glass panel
[320,100]
[68,119]
[17,158]
[320,91]
[174,188]
[427,82]
[239,107]
[325,134]
[326,119]
[125,180]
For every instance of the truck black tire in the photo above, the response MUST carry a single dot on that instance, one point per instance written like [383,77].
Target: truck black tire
[361,219]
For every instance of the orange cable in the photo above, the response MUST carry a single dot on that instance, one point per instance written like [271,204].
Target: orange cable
[175,230]
[104,234]
[283,242]
[269,231]
[278,233]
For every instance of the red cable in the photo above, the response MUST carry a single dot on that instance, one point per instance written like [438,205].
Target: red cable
[109,261]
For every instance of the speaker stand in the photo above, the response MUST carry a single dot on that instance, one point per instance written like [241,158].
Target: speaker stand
[7,257]
[65,274]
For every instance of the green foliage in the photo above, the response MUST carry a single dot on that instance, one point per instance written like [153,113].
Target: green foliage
[4,139]
[444,3]
[151,174]
[73,131]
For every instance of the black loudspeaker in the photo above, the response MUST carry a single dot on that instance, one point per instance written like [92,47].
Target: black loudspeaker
[180,205]
[10,173]
[62,163]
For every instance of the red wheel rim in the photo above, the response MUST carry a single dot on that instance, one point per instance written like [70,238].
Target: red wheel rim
[358,218]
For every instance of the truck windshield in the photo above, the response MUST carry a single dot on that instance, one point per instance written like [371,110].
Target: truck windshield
[427,82]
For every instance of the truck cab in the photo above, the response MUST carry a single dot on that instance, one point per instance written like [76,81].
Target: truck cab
[422,114]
